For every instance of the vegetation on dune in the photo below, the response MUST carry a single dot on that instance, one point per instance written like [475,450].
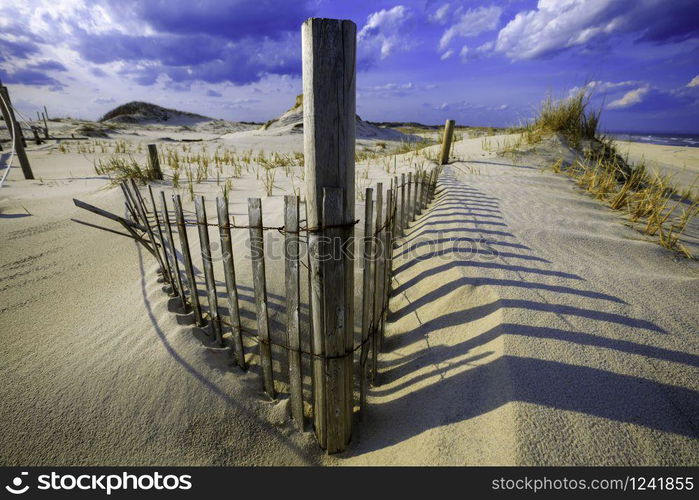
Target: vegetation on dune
[648,199]
[569,117]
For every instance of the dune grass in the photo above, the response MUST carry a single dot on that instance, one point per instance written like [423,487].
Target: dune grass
[120,168]
[649,200]
[570,117]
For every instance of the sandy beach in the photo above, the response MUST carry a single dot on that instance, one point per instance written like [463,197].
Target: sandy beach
[528,325]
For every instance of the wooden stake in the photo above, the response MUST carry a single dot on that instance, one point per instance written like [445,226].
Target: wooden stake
[205,245]
[446,142]
[37,139]
[377,288]
[231,288]
[171,245]
[293,336]
[154,161]
[257,252]
[328,54]
[46,125]
[388,259]
[161,237]
[403,214]
[367,285]
[140,209]
[188,266]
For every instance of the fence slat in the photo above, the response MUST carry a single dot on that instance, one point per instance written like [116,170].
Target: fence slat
[367,284]
[377,285]
[291,281]
[206,258]
[141,208]
[229,273]
[171,243]
[260,283]
[188,266]
[388,251]
[129,203]
[334,318]
[161,236]
[409,200]
[403,214]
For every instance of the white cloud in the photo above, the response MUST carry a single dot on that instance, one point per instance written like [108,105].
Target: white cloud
[447,55]
[694,82]
[630,98]
[383,29]
[557,25]
[472,23]
[440,16]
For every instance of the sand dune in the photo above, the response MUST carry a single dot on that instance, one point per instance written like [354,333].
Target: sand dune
[566,339]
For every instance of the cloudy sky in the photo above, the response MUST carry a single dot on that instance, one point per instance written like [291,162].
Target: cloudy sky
[482,63]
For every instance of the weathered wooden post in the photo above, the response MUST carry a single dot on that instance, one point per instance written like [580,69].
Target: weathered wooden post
[329,114]
[15,131]
[154,161]
[446,142]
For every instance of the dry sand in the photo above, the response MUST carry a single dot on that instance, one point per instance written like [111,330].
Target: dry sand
[568,339]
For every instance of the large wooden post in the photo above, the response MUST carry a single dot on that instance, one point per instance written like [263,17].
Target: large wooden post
[329,61]
[446,142]
[15,131]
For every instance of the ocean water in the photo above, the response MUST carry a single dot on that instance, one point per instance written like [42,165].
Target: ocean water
[690,140]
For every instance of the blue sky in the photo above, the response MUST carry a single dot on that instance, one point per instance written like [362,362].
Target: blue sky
[481,63]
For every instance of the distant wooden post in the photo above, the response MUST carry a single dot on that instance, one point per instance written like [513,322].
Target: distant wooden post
[292,288]
[229,271]
[367,295]
[446,142]
[16,132]
[187,255]
[154,161]
[207,260]
[329,114]
[257,251]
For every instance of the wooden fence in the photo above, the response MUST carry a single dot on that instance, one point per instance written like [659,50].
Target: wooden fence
[153,223]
